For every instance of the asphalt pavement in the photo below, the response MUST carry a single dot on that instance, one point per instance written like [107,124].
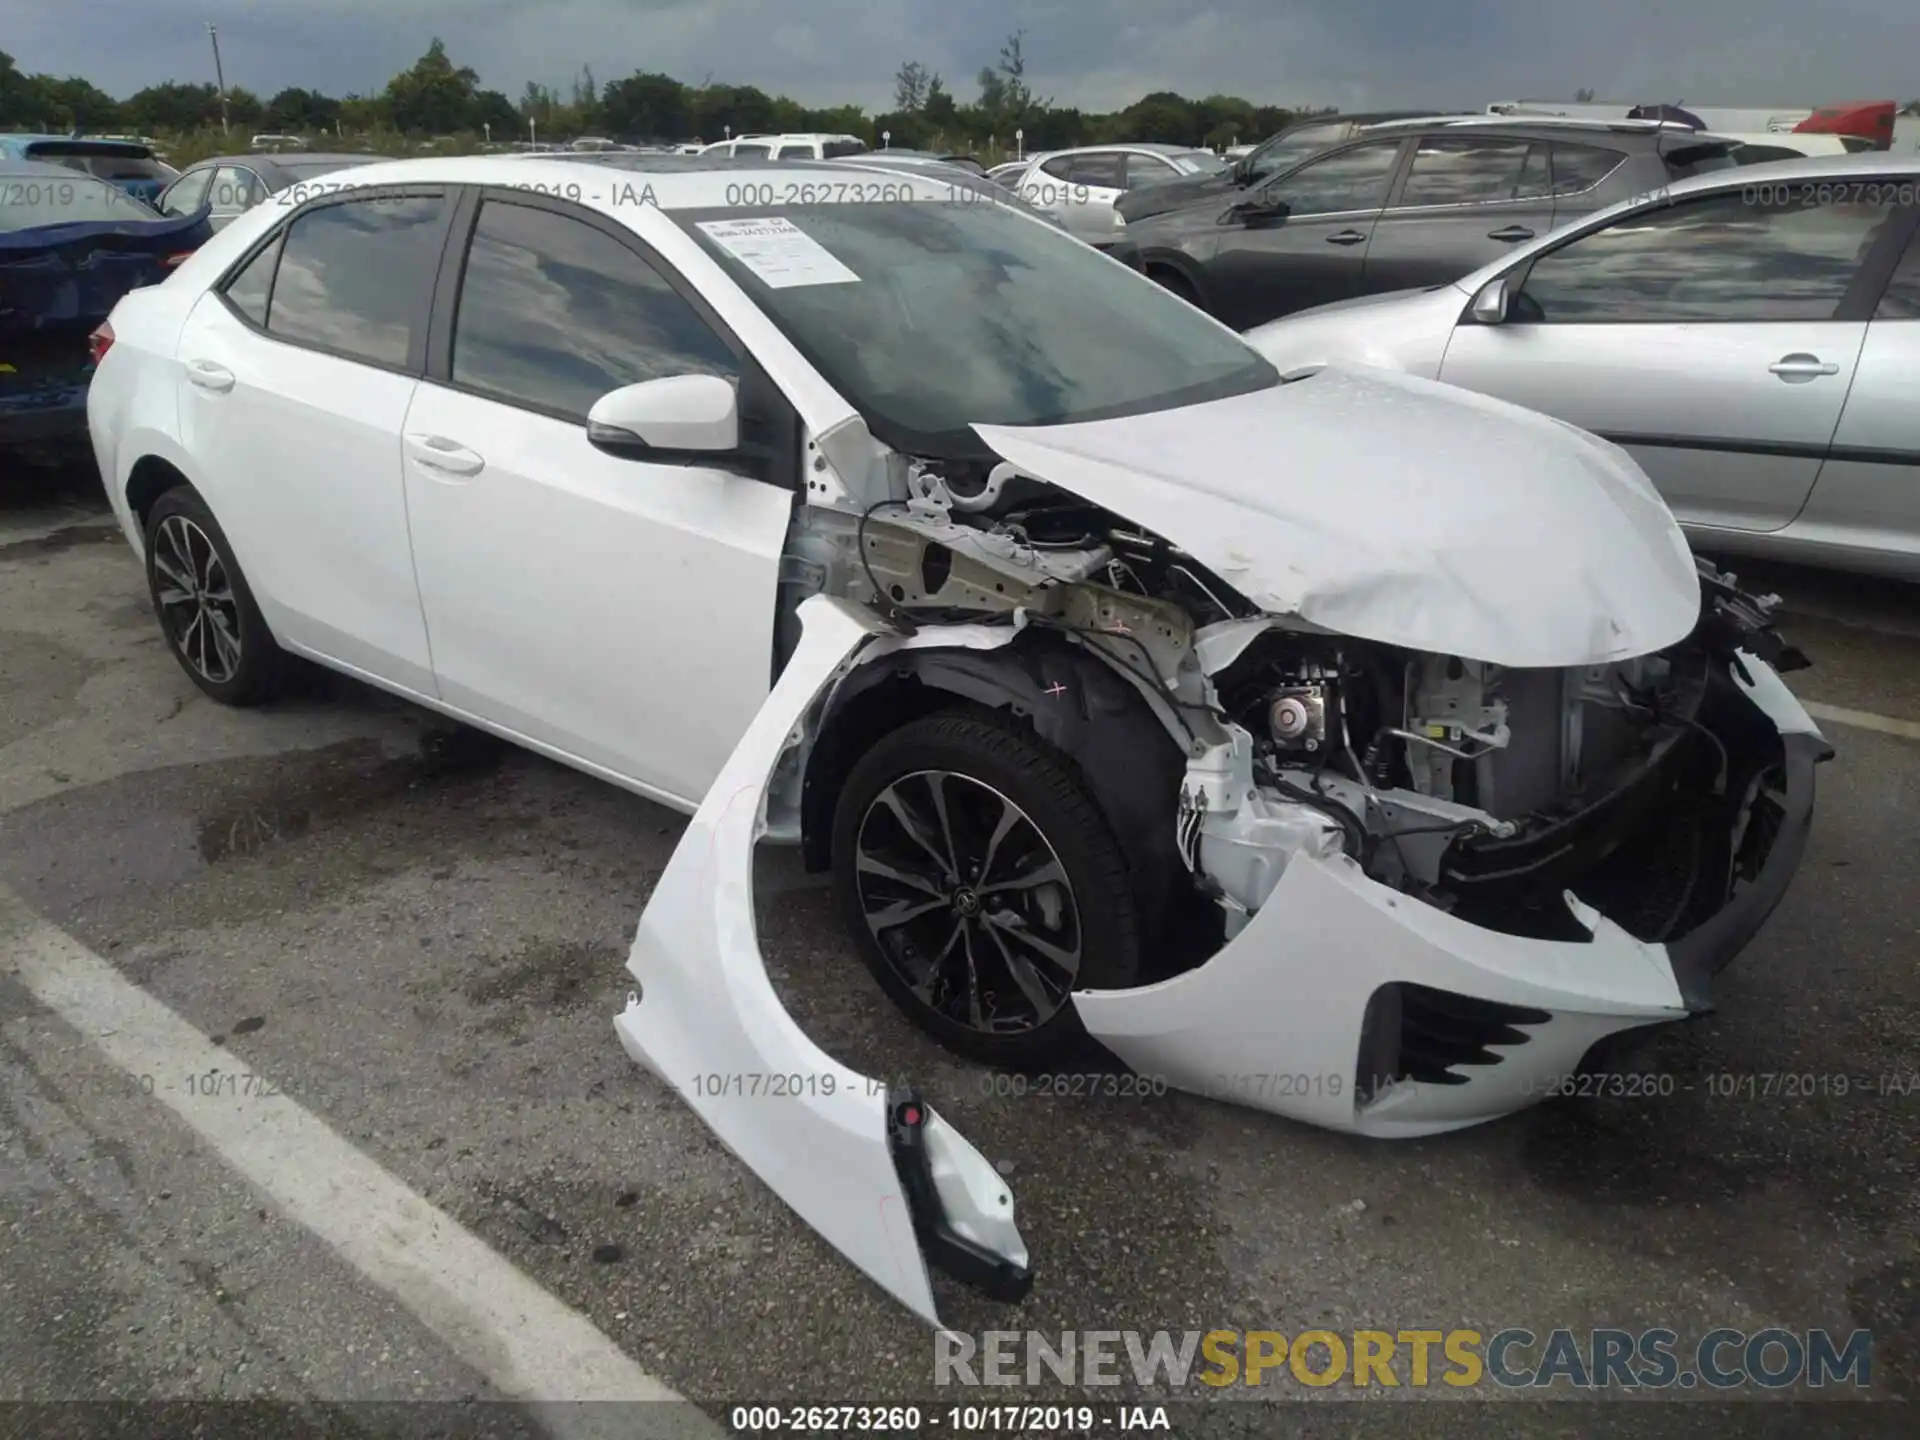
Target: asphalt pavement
[417,938]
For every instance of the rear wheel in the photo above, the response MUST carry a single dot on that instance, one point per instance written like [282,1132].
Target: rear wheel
[983,886]
[206,611]
[1174,281]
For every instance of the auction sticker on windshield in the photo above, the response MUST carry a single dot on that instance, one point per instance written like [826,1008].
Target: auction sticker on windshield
[778,251]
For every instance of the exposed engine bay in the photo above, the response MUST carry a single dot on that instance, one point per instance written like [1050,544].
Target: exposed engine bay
[1482,790]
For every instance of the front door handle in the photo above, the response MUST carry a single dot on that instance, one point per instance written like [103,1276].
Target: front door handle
[209,376]
[1801,366]
[1346,237]
[436,452]
[1511,234]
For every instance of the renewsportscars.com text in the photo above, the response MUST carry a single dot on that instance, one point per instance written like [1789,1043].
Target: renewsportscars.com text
[1655,1359]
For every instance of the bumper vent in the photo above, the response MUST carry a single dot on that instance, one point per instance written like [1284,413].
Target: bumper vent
[1415,1032]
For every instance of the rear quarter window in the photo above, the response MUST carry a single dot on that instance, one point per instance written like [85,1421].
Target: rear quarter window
[1577,168]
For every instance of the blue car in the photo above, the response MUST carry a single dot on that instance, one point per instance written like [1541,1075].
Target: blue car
[70,247]
[126,163]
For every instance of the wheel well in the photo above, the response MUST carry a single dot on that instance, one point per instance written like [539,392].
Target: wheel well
[1164,271]
[152,477]
[1065,696]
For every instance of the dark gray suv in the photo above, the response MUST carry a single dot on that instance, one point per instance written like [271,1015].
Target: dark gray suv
[1277,152]
[1406,207]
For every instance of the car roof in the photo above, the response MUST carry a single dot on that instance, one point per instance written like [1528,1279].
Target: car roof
[1115,147]
[291,159]
[100,140]
[42,170]
[677,182]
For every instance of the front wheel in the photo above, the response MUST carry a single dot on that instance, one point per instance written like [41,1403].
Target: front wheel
[983,886]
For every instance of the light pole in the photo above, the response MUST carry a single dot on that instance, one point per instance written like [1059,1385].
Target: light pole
[213,39]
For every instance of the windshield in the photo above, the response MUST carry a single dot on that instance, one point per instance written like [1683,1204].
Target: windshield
[1199,162]
[28,201]
[834,149]
[932,317]
[109,162]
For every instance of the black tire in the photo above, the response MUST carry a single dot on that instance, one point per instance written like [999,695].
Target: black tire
[1059,822]
[1175,283]
[211,623]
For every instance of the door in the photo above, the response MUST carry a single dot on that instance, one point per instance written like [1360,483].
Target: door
[1868,495]
[1714,338]
[1466,200]
[296,375]
[616,610]
[1266,266]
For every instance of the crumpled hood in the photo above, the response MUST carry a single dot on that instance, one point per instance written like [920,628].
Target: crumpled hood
[1398,510]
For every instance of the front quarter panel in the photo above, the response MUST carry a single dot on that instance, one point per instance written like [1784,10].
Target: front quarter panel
[1408,335]
[706,1020]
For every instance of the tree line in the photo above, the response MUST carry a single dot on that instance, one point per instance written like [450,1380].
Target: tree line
[436,97]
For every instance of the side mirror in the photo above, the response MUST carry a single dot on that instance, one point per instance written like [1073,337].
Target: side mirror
[1257,212]
[1490,304]
[678,414]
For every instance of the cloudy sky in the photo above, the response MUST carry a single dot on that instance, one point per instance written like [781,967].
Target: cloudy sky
[1094,53]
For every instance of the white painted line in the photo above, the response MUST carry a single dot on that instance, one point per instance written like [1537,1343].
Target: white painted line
[1863,720]
[491,1314]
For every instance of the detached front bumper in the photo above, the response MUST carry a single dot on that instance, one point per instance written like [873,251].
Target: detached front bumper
[1348,1005]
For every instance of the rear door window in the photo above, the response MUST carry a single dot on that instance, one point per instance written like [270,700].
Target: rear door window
[1464,170]
[1107,171]
[235,190]
[351,276]
[188,193]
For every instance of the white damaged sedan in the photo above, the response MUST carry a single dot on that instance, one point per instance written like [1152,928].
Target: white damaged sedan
[1342,727]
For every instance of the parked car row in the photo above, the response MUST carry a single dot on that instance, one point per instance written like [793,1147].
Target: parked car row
[1247,722]
[1746,335]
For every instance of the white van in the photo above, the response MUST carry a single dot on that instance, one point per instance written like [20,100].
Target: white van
[789,147]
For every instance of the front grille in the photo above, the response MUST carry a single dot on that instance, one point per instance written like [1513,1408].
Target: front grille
[1415,1032]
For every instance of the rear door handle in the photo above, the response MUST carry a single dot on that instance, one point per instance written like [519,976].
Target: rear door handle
[1801,366]
[1346,237]
[436,452]
[1511,234]
[209,376]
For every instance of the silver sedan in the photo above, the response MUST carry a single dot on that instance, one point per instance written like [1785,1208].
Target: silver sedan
[1078,187]
[1750,336]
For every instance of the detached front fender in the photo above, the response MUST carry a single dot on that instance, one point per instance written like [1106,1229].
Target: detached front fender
[875,1171]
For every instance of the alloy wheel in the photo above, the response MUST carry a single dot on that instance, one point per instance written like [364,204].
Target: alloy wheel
[968,901]
[196,600]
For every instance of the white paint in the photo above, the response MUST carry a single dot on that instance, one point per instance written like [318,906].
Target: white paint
[490,1314]
[1395,509]
[1274,1019]
[708,1021]
[1865,720]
